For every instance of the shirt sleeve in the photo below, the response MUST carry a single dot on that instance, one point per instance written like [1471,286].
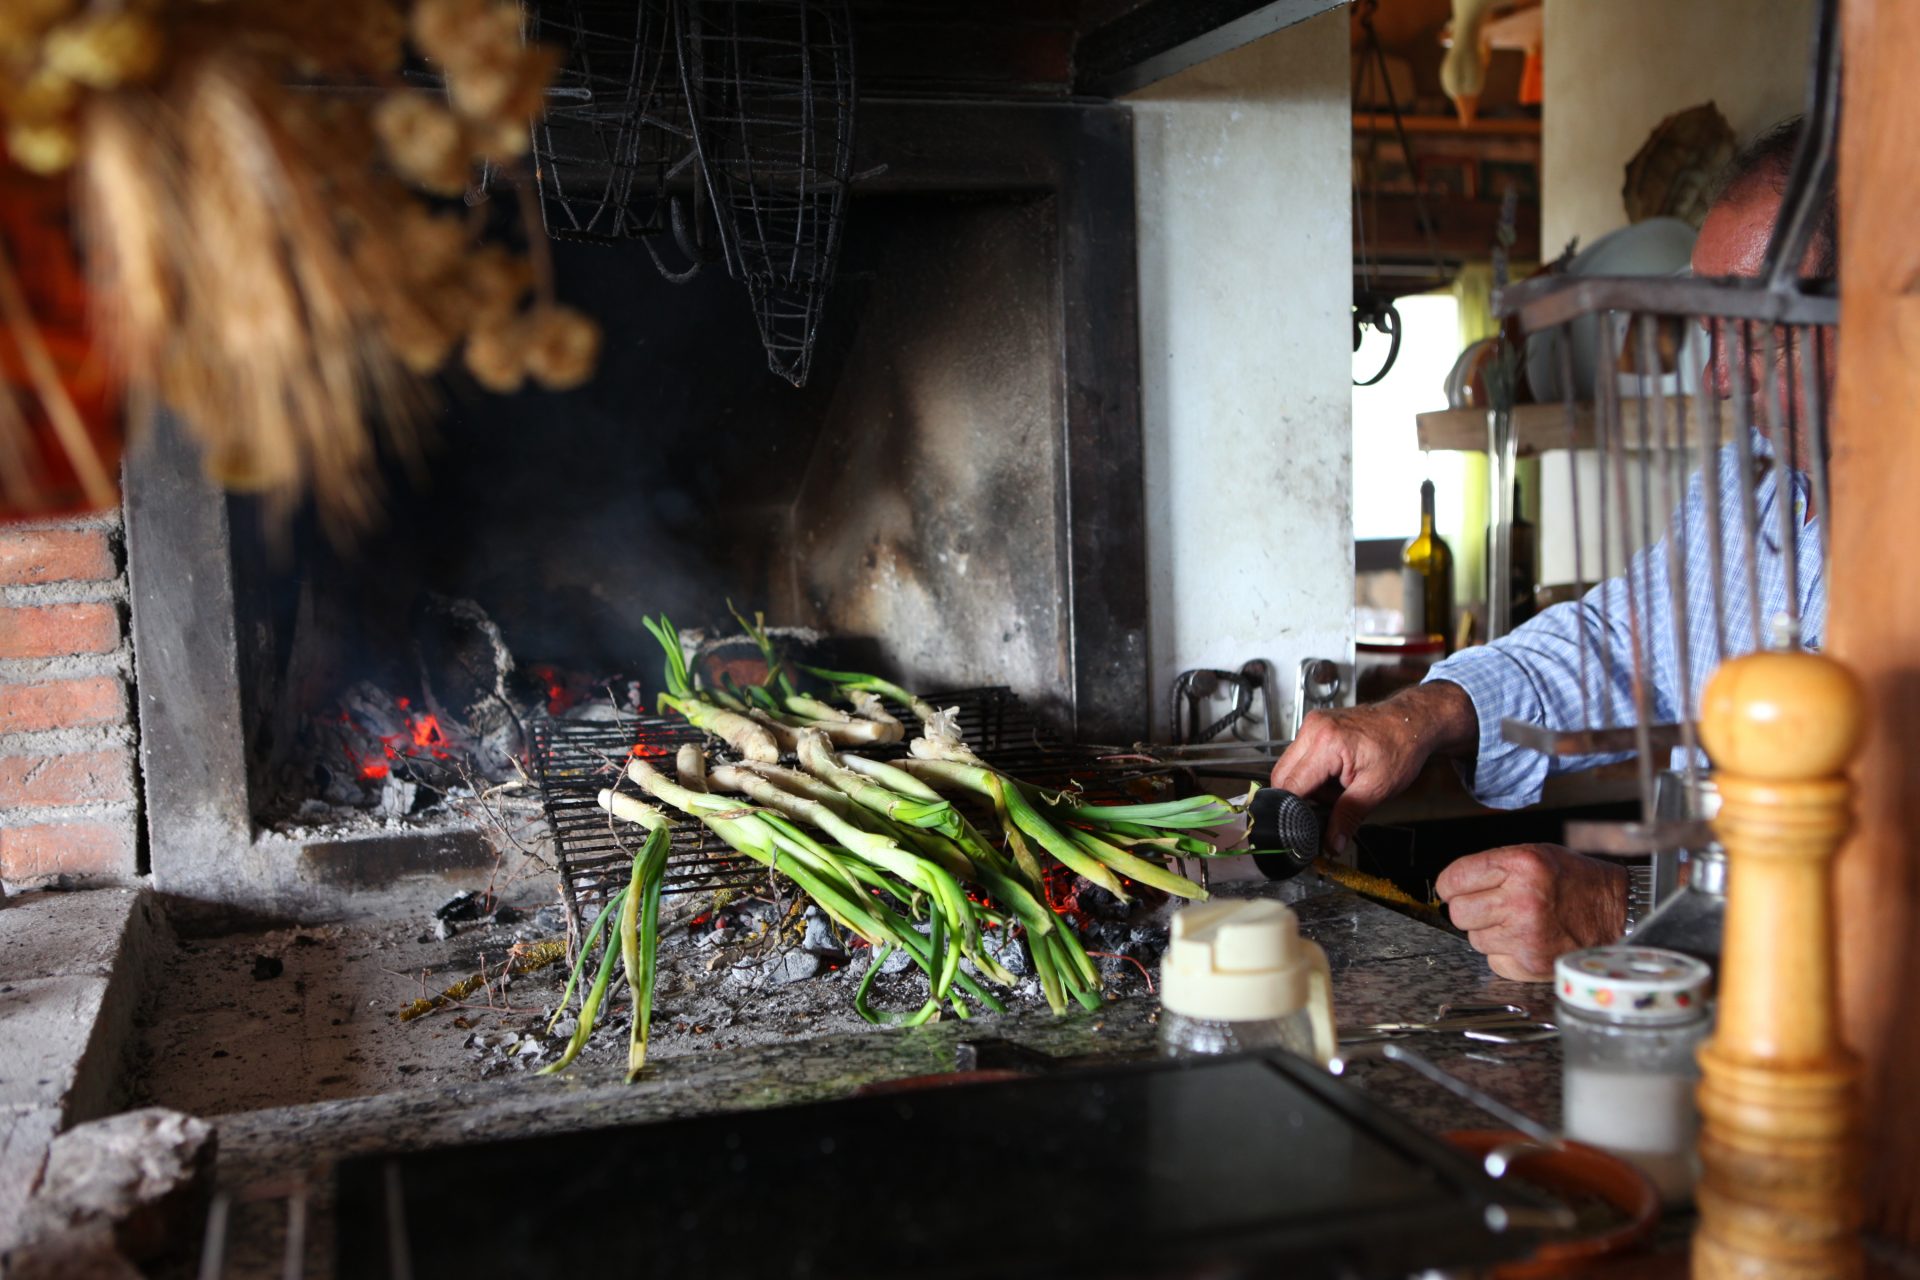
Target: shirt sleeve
[1542,674]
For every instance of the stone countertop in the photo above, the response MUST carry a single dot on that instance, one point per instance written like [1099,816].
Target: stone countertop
[1386,967]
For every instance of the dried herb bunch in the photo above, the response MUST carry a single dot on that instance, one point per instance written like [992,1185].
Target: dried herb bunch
[260,205]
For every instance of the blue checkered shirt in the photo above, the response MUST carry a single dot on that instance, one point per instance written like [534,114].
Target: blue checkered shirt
[1535,673]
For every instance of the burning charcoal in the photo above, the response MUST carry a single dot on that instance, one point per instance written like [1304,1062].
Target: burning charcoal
[398,796]
[1098,903]
[1148,940]
[819,938]
[1008,952]
[752,911]
[464,669]
[795,966]
[464,905]
[599,712]
[268,967]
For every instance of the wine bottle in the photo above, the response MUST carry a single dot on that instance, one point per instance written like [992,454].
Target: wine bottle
[1426,578]
[1523,568]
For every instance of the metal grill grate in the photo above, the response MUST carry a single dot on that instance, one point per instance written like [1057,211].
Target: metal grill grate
[576,760]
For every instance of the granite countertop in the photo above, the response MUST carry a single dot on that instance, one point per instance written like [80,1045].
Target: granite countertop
[1386,966]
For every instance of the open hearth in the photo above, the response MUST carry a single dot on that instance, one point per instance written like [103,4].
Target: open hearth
[957,491]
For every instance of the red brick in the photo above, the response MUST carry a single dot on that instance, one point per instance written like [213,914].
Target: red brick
[55,555]
[87,850]
[56,630]
[61,704]
[79,777]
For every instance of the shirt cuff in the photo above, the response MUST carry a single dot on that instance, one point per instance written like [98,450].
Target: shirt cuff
[1504,776]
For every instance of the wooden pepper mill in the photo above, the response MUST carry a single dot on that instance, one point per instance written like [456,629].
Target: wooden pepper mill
[1779,1194]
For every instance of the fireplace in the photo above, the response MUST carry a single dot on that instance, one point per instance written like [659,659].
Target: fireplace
[955,497]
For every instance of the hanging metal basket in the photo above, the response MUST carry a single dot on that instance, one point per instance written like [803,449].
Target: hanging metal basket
[769,89]
[615,123]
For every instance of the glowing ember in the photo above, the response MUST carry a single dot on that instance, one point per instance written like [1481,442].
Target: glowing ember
[563,689]
[426,733]
[421,738]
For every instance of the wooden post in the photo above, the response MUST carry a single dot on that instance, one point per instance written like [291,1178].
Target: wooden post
[1874,589]
[1779,1193]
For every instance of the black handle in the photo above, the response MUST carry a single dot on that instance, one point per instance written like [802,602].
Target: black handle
[1286,830]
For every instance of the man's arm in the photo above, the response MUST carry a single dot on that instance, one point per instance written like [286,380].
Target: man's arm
[1569,667]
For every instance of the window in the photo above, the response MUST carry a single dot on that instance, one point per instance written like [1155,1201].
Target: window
[1387,463]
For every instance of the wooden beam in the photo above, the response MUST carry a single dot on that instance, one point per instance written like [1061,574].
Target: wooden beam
[1157,38]
[1461,228]
[1382,122]
[1875,585]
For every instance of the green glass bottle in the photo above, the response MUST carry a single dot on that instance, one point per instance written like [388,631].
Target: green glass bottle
[1525,566]
[1426,578]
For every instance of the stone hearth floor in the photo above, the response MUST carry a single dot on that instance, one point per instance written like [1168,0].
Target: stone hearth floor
[73,971]
[310,1014]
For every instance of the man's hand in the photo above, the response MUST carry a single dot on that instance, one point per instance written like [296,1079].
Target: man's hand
[1528,904]
[1373,753]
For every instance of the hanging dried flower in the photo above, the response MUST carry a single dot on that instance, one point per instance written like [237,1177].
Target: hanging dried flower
[563,346]
[423,143]
[497,354]
[264,259]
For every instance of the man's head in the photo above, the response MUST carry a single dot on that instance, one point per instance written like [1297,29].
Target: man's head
[1733,239]
[1733,242]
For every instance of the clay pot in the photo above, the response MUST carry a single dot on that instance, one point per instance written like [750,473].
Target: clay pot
[1575,1170]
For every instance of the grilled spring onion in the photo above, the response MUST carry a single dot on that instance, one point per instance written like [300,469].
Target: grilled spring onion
[690,766]
[589,1007]
[738,731]
[889,794]
[943,891]
[635,915]
[850,682]
[1073,845]
[837,887]
[640,940]
[1017,815]
[871,706]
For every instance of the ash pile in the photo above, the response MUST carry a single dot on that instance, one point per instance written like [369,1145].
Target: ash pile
[747,967]
[426,744]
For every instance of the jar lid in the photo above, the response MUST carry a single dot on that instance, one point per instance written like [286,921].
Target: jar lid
[1633,984]
[1235,960]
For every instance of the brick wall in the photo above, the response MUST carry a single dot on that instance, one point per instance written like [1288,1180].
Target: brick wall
[69,807]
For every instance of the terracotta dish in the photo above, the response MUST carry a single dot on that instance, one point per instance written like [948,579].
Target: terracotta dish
[1579,1175]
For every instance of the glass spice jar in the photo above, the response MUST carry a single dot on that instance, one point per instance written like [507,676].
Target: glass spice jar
[1631,1020]
[1237,976]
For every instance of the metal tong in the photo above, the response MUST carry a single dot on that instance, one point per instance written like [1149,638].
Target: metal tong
[1490,1023]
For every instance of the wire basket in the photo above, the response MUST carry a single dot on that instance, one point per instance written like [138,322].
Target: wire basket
[1737,453]
[615,125]
[769,87]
